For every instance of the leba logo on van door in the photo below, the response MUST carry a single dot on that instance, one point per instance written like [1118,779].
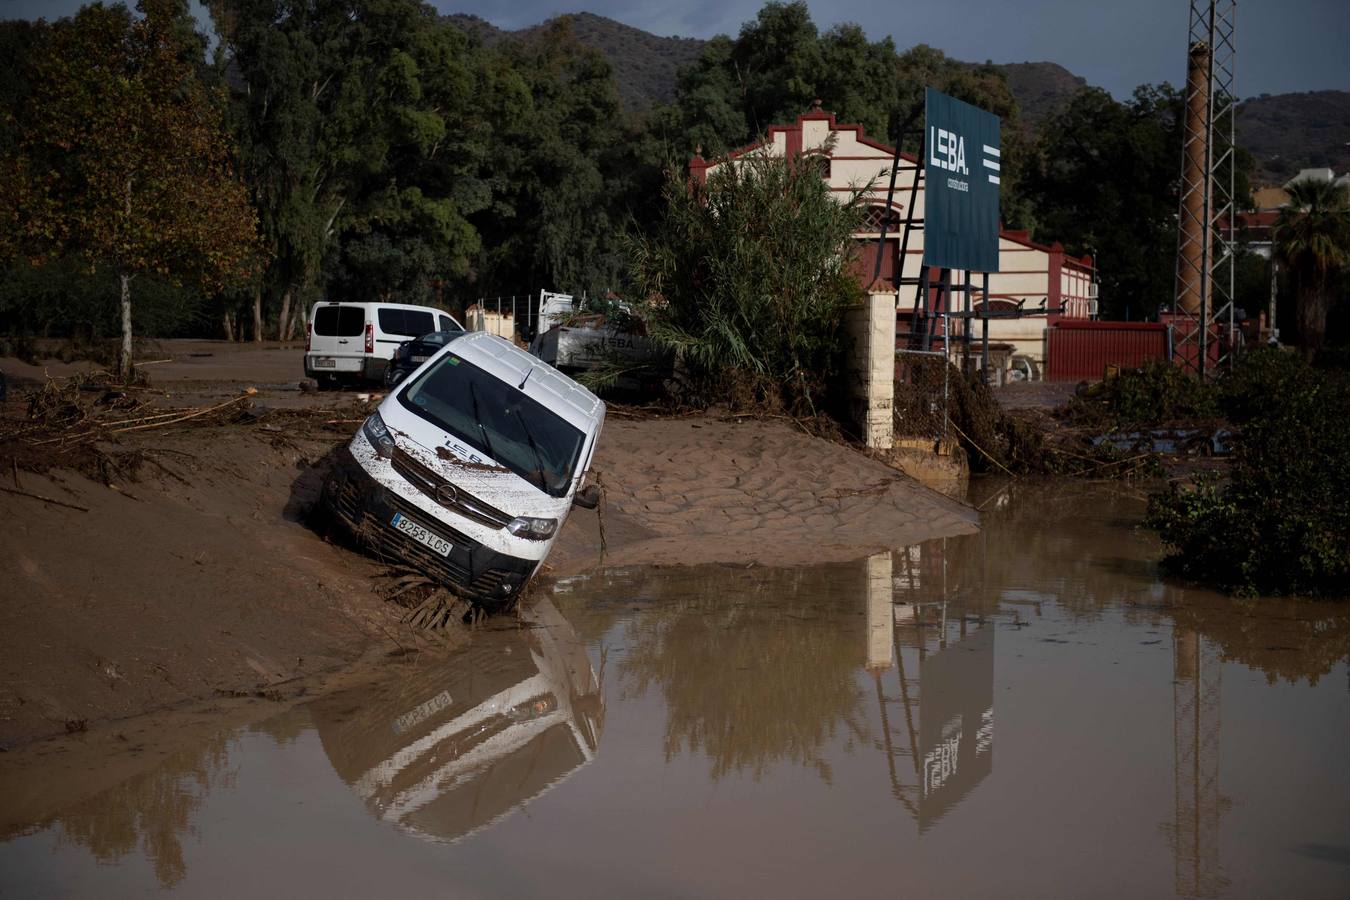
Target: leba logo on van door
[960,205]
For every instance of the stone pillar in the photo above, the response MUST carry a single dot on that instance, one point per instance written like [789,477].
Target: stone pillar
[870,327]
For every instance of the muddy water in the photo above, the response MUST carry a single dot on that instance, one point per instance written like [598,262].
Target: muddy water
[1025,712]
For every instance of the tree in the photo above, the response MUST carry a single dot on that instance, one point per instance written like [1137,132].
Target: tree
[746,279]
[1104,182]
[1312,238]
[564,169]
[413,144]
[20,41]
[123,159]
[359,143]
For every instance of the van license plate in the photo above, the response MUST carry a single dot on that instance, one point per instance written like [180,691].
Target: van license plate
[325,363]
[421,535]
[419,359]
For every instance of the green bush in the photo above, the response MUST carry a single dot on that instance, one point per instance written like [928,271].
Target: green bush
[1281,524]
[746,279]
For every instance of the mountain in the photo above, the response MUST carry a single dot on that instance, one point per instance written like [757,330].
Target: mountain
[644,64]
[1288,132]
[1040,87]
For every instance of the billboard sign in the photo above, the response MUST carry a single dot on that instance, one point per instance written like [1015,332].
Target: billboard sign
[961,173]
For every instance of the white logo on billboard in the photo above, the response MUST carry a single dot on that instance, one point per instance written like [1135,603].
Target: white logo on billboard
[949,150]
[991,161]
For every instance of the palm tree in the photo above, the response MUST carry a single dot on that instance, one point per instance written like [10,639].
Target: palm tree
[1312,238]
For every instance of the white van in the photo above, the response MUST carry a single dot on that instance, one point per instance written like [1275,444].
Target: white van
[358,339]
[469,468]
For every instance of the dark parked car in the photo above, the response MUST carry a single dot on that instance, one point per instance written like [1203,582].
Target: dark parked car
[411,354]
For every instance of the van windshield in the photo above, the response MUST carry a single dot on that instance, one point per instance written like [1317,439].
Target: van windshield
[495,418]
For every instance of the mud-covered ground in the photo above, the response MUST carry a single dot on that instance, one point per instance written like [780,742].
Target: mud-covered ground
[203,576]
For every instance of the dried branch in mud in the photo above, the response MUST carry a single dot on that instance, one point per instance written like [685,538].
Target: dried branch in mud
[44,499]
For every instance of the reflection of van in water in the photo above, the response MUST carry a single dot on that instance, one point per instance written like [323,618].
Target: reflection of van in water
[452,748]
[469,468]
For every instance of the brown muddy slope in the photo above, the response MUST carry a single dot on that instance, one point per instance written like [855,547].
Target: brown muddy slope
[198,579]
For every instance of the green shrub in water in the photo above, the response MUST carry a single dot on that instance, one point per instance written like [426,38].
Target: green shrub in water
[1281,523]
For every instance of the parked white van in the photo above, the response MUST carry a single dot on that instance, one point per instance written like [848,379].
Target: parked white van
[357,340]
[469,468]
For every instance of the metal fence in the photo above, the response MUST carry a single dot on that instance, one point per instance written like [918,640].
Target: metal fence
[922,395]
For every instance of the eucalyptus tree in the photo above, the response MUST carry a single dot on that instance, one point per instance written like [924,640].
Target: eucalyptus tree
[361,142]
[561,172]
[1105,182]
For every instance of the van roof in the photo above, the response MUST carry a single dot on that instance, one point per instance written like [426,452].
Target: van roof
[545,384]
[368,303]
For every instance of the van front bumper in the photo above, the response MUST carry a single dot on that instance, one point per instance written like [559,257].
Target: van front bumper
[367,508]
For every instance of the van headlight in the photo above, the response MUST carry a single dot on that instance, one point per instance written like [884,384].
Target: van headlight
[378,434]
[531,528]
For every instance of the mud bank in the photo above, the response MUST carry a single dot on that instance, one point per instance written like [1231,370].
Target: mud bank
[206,577]
[703,490]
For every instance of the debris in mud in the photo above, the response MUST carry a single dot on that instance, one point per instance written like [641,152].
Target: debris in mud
[1104,433]
[72,423]
[430,606]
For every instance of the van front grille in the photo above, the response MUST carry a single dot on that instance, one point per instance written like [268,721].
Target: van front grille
[378,535]
[434,486]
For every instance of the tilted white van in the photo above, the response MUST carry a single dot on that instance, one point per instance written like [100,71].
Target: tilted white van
[357,340]
[469,468]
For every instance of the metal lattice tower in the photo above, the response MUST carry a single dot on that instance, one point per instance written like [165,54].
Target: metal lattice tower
[1198,803]
[1204,337]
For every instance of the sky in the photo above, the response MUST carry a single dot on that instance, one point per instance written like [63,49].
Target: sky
[1284,45]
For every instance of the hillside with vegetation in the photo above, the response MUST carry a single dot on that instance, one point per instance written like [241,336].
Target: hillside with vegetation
[645,65]
[1041,88]
[1288,132]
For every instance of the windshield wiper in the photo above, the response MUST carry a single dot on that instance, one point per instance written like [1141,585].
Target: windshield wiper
[478,417]
[538,457]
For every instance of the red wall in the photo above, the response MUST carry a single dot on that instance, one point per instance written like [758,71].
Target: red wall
[1078,350]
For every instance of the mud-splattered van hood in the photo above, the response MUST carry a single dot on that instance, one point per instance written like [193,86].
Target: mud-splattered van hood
[468,468]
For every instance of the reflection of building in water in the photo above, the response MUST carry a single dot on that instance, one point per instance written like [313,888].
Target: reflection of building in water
[463,743]
[934,682]
[1195,759]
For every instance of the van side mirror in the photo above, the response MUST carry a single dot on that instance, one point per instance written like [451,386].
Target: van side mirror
[588,497]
